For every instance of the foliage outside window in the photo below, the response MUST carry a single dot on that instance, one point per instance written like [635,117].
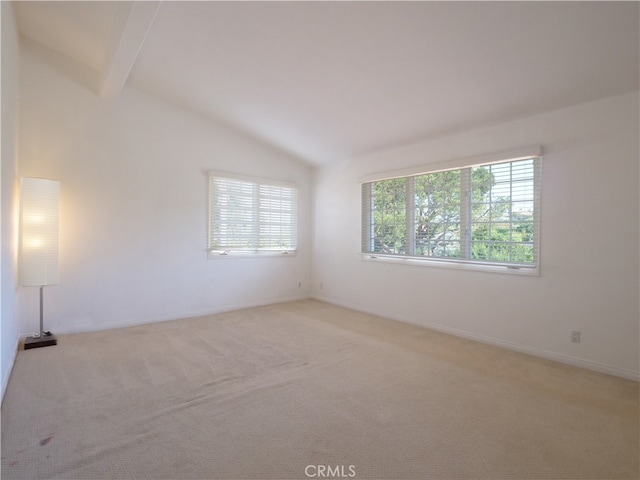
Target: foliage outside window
[483,214]
[251,216]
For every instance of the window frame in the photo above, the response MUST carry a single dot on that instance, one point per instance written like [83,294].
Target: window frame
[465,167]
[255,223]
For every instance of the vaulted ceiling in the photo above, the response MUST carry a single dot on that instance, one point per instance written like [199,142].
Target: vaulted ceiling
[330,80]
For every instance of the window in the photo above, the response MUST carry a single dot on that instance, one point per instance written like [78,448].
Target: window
[484,214]
[250,216]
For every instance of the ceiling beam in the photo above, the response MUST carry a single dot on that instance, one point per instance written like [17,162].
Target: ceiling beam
[128,35]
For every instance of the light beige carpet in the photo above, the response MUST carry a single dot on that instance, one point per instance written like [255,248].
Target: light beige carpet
[294,390]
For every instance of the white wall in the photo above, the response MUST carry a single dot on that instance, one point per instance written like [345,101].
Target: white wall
[8,193]
[589,245]
[134,205]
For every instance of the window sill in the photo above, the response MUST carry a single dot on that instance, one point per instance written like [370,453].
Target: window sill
[454,264]
[221,255]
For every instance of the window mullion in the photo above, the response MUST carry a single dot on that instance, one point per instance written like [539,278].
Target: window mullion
[410,200]
[367,218]
[465,213]
[256,217]
[511,212]
[537,174]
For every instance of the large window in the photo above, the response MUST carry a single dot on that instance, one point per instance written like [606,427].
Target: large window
[251,216]
[483,214]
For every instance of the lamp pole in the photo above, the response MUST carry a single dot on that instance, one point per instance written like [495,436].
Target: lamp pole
[41,311]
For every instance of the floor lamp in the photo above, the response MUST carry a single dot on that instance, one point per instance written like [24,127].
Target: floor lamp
[39,220]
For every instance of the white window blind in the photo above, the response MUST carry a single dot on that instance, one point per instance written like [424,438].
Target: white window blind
[251,216]
[483,214]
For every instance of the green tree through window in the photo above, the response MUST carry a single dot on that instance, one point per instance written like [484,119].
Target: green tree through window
[481,214]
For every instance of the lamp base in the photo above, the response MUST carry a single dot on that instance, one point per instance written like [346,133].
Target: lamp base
[37,342]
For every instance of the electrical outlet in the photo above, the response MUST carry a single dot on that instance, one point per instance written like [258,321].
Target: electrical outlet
[299,284]
[575,336]
[321,285]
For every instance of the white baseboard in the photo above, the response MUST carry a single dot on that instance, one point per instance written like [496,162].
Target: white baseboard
[163,317]
[537,352]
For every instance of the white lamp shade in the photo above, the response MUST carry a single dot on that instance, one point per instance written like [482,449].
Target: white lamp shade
[39,231]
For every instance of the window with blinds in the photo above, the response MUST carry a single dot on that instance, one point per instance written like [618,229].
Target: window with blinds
[483,214]
[251,216]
